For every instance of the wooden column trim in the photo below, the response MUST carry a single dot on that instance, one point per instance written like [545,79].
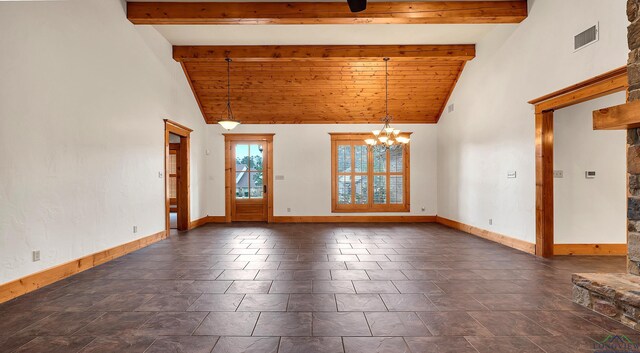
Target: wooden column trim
[544,184]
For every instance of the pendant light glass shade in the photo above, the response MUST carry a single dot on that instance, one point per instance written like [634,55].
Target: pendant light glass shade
[229,123]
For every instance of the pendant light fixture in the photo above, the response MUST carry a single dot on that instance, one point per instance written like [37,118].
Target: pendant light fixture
[229,123]
[388,137]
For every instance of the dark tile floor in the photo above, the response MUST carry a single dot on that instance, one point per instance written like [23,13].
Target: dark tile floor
[314,288]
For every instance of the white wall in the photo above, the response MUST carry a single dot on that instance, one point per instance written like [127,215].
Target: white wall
[589,211]
[82,97]
[491,130]
[302,153]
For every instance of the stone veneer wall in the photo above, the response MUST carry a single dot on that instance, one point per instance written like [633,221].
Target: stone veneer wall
[633,140]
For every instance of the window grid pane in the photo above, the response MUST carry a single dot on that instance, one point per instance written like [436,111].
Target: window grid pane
[379,189]
[344,190]
[395,189]
[255,157]
[344,159]
[361,188]
[395,160]
[361,156]
[379,161]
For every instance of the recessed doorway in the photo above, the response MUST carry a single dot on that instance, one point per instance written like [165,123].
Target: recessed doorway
[248,165]
[177,145]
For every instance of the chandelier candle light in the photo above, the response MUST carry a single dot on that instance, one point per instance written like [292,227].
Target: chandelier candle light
[388,137]
[230,123]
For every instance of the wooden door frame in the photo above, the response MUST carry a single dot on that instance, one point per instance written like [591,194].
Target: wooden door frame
[596,87]
[228,188]
[184,180]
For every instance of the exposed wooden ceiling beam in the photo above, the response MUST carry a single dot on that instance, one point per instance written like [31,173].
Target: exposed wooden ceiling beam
[621,117]
[254,13]
[324,52]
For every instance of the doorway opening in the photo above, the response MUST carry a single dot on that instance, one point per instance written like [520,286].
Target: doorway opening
[177,194]
[596,87]
[249,175]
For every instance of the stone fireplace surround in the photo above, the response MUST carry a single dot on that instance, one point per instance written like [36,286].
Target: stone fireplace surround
[618,295]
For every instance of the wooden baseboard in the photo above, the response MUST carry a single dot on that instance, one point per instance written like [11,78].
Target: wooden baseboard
[205,220]
[590,249]
[495,237]
[40,279]
[354,219]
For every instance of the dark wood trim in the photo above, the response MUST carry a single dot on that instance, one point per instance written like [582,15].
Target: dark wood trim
[483,233]
[621,71]
[354,219]
[206,220]
[43,278]
[265,53]
[590,249]
[598,86]
[229,138]
[256,13]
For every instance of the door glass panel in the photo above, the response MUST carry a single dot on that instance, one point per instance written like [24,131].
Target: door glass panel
[379,189]
[344,189]
[361,155]
[242,185]
[256,190]
[344,159]
[395,189]
[379,161]
[395,160]
[255,154]
[362,196]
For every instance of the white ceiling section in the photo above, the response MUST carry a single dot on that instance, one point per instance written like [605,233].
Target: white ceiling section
[366,34]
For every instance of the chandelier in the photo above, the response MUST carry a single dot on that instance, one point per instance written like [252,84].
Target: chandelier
[388,137]
[229,123]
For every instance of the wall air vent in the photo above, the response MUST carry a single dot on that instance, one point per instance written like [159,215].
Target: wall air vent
[586,38]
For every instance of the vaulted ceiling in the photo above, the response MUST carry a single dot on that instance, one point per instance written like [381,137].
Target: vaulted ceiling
[306,84]
[337,80]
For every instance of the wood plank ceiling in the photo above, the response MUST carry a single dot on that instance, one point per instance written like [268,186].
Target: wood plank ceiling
[324,84]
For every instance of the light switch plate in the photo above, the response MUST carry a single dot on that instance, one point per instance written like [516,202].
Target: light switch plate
[590,174]
[512,174]
[279,177]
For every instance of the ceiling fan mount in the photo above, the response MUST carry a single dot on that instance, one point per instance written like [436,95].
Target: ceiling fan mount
[357,5]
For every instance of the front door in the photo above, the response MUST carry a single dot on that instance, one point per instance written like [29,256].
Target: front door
[249,175]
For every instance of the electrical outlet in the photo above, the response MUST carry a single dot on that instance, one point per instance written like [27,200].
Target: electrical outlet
[558,174]
[135,229]
[424,209]
[490,221]
[279,177]
[36,255]
[512,174]
[288,209]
